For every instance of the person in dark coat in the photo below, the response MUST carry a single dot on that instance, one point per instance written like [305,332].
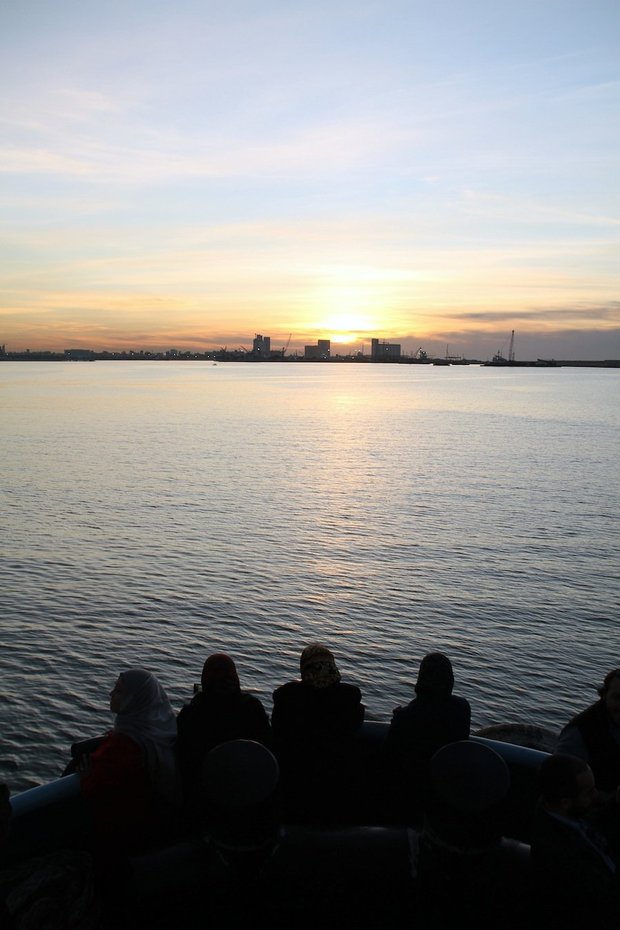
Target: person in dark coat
[576,867]
[433,719]
[594,735]
[314,723]
[218,713]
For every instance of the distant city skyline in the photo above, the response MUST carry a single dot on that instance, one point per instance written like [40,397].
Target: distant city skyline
[320,350]
[186,176]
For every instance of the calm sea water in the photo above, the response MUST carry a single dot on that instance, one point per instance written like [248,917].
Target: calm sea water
[156,512]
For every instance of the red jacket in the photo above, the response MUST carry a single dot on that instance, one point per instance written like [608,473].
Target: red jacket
[118,790]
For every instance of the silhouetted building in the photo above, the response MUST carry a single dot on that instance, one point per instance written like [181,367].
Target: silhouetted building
[261,346]
[384,351]
[320,352]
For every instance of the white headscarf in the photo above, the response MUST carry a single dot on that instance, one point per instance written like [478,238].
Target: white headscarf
[147,717]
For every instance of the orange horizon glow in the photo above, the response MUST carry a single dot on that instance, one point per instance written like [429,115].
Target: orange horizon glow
[338,172]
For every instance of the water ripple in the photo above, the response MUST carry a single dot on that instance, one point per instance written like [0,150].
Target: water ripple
[386,511]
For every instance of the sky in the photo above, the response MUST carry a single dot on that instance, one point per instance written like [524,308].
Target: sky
[186,175]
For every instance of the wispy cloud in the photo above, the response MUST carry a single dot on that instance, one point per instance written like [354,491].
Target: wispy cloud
[199,168]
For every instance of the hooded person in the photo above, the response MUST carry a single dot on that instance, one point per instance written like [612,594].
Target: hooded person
[219,712]
[132,776]
[435,676]
[434,718]
[219,675]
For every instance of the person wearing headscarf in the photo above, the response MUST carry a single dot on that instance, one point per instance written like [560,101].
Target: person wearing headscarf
[318,707]
[314,722]
[218,713]
[434,718]
[132,776]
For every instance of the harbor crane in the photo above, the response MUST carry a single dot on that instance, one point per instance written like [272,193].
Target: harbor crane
[498,358]
[284,350]
[511,349]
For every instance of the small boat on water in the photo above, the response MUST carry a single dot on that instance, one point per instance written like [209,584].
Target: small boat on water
[450,359]
[365,866]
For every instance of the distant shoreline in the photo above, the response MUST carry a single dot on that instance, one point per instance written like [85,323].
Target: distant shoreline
[217,356]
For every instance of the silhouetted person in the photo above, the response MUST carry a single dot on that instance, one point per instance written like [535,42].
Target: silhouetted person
[218,713]
[314,723]
[434,718]
[594,735]
[578,873]
[131,780]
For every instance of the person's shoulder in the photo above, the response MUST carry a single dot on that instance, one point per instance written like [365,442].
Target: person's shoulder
[288,689]
[595,710]
[397,720]
[459,699]
[569,728]
[119,739]
[250,701]
[461,702]
[351,691]
[191,710]
[403,711]
[118,745]
[290,686]
[571,741]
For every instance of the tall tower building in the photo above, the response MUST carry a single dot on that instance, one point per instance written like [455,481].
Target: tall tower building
[261,346]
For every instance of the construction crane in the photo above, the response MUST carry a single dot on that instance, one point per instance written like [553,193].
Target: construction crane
[511,349]
[287,345]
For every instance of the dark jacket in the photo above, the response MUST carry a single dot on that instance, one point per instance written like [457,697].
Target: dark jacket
[303,714]
[210,719]
[314,740]
[603,750]
[415,734]
[426,724]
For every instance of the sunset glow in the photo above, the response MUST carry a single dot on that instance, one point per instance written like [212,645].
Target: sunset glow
[190,175]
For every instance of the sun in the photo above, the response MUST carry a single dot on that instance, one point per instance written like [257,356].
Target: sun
[345,326]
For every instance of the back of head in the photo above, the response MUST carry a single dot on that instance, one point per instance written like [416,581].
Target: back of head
[435,677]
[219,675]
[558,777]
[318,666]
